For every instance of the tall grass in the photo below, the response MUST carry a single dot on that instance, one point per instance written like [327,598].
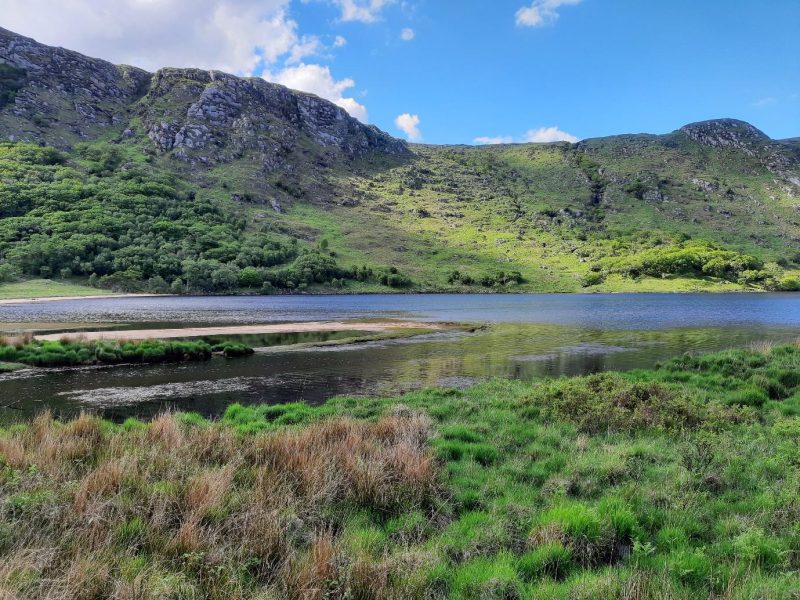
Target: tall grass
[647,485]
[199,507]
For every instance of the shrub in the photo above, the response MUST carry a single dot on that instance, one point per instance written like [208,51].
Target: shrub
[250,277]
[592,278]
[756,548]
[750,396]
[789,284]
[610,401]
[688,259]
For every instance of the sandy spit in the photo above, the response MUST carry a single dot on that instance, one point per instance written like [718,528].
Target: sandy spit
[187,332]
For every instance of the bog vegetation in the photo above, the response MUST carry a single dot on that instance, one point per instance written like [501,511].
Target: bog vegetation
[676,482]
[74,351]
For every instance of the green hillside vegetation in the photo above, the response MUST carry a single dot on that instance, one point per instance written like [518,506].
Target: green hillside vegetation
[675,482]
[569,216]
[43,288]
[514,218]
[107,215]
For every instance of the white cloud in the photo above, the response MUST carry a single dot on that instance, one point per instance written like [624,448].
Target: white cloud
[541,12]
[489,140]
[549,134]
[409,124]
[230,35]
[407,34]
[542,135]
[309,45]
[317,79]
[764,102]
[365,11]
[340,41]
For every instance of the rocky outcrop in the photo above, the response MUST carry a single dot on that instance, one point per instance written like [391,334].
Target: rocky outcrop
[726,133]
[214,117]
[193,115]
[65,96]
[779,158]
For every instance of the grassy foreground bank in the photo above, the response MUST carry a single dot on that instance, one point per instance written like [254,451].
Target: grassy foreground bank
[678,482]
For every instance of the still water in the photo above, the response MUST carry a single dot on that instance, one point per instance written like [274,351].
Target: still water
[525,336]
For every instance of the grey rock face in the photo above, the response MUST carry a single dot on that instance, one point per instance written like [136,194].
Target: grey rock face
[780,159]
[230,117]
[706,186]
[201,117]
[654,195]
[84,95]
[726,133]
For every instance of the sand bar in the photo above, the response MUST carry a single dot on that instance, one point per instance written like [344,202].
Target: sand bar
[304,327]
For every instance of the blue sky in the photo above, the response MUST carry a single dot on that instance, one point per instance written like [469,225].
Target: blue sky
[471,70]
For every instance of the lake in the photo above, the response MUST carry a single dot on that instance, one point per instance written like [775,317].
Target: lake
[525,336]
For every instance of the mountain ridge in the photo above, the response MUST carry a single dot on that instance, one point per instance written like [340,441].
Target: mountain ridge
[712,205]
[107,96]
[15,50]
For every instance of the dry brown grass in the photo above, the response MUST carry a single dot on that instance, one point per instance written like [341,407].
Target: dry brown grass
[88,578]
[206,491]
[12,454]
[316,575]
[104,480]
[166,430]
[22,339]
[202,501]
[384,464]
[73,338]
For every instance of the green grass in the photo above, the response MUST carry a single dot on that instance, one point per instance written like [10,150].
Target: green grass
[71,352]
[657,483]
[8,367]
[47,288]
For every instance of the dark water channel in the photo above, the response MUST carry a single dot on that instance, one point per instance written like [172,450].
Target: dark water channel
[525,336]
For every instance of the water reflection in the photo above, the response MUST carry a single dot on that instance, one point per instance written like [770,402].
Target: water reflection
[521,351]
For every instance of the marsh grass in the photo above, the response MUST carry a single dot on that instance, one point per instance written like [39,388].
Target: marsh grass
[193,501]
[76,350]
[647,485]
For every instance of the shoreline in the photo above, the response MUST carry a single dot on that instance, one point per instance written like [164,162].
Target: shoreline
[301,327]
[42,299]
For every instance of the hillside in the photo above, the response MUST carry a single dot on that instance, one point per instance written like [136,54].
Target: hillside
[189,180]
